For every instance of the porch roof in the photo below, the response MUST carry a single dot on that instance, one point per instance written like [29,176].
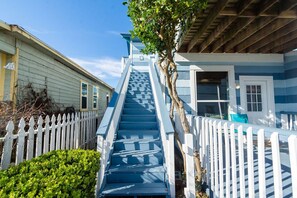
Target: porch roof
[243,26]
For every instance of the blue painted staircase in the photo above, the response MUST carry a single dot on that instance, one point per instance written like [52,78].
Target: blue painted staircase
[136,166]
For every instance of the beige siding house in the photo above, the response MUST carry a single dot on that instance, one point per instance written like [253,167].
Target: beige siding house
[25,60]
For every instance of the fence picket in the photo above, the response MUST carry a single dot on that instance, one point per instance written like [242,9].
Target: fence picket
[63,134]
[30,142]
[72,131]
[227,160]
[250,160]
[58,136]
[39,137]
[77,130]
[215,158]
[46,135]
[7,148]
[261,162]
[21,142]
[68,131]
[221,166]
[53,133]
[277,174]
[233,161]
[241,162]
[210,129]
[293,161]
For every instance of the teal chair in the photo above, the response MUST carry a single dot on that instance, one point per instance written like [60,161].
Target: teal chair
[241,118]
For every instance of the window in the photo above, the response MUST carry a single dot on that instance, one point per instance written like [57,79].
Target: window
[212,94]
[84,96]
[95,97]
[254,98]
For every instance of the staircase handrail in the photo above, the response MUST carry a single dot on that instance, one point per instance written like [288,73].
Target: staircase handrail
[106,120]
[109,124]
[166,129]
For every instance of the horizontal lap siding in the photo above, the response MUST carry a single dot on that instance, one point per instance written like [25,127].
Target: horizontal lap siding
[62,83]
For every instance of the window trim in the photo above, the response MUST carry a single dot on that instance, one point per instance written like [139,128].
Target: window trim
[213,68]
[97,98]
[84,82]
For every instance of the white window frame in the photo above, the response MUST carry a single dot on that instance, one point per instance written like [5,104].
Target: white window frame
[81,83]
[213,68]
[97,88]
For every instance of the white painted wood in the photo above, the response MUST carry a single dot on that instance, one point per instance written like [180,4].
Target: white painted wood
[76,131]
[221,166]
[68,131]
[250,159]
[30,142]
[277,175]
[53,133]
[21,142]
[46,135]
[171,164]
[58,139]
[207,153]
[227,160]
[201,142]
[72,131]
[63,133]
[7,148]
[215,157]
[190,166]
[284,121]
[241,162]
[261,162]
[211,143]
[293,161]
[39,137]
[233,161]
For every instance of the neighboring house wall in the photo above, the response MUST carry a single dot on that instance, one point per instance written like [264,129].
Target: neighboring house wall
[45,70]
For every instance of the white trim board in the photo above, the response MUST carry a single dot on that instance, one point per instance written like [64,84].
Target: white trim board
[230,57]
[219,68]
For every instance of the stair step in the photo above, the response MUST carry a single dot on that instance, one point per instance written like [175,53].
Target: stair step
[135,111]
[148,118]
[139,100]
[139,177]
[152,157]
[141,96]
[138,125]
[138,105]
[137,144]
[136,168]
[132,189]
[138,134]
[147,92]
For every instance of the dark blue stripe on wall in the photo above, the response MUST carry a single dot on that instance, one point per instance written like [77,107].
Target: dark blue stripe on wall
[291,65]
[286,99]
[291,73]
[238,100]
[280,99]
[184,75]
[276,76]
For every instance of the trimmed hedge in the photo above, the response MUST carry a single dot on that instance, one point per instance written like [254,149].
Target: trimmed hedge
[62,173]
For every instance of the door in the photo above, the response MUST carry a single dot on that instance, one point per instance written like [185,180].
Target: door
[257,99]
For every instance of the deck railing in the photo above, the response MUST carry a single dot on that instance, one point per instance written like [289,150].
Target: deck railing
[243,160]
[40,136]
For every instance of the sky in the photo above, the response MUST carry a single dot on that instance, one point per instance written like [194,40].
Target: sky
[86,31]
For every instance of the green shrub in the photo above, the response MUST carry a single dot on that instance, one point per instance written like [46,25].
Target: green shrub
[70,173]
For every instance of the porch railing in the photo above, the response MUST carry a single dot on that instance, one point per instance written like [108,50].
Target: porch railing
[243,160]
[289,120]
[32,139]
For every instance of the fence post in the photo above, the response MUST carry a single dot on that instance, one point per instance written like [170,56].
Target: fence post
[7,148]
[63,132]
[68,131]
[21,142]
[261,162]
[30,142]
[277,174]
[190,189]
[293,160]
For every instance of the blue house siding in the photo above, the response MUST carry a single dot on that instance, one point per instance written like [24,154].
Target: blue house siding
[291,81]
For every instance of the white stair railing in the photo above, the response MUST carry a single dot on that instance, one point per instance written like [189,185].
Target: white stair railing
[166,128]
[110,121]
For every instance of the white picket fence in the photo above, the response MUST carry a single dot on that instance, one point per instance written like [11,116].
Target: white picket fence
[33,139]
[289,121]
[243,160]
